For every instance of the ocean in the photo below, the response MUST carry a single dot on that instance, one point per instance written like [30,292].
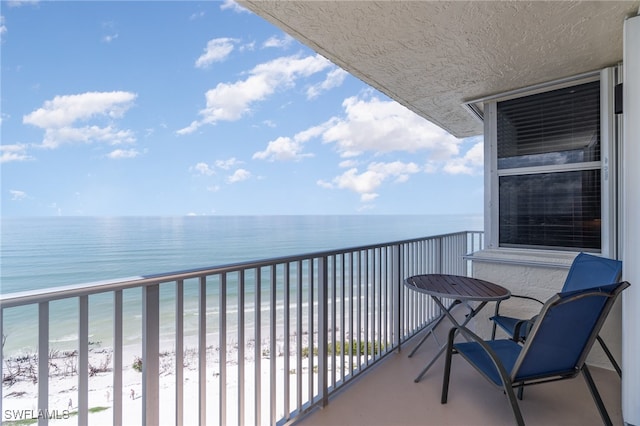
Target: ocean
[46,252]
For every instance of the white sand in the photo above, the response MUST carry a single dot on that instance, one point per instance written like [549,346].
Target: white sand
[20,398]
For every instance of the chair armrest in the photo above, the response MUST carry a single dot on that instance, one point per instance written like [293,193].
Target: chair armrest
[517,296]
[527,324]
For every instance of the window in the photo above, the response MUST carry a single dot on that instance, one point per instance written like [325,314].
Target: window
[547,171]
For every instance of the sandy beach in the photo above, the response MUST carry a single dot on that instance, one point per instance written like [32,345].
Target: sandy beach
[20,389]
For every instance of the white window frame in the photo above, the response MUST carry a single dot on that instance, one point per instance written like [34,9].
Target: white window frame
[606,165]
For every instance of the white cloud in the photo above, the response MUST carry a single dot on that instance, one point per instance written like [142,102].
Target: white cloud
[347,164]
[58,117]
[228,164]
[17,195]
[195,125]
[250,47]
[217,50]
[239,176]
[334,79]
[278,42]
[3,27]
[290,149]
[196,15]
[65,110]
[109,38]
[233,6]
[385,126]
[367,182]
[17,152]
[18,3]
[431,167]
[231,101]
[204,169]
[379,127]
[367,198]
[471,163]
[111,27]
[54,137]
[123,153]
[282,149]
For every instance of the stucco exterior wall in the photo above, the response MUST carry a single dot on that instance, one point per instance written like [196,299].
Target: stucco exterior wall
[540,275]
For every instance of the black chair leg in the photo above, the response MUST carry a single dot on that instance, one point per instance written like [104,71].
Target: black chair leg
[596,396]
[511,396]
[520,392]
[610,356]
[447,367]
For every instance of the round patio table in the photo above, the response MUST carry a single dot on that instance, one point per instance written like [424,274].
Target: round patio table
[462,290]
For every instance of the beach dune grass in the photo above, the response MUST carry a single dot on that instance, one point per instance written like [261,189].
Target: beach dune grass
[349,347]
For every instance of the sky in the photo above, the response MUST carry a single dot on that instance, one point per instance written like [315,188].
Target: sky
[122,108]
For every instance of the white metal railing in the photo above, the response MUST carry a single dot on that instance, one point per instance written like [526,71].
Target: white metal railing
[281,335]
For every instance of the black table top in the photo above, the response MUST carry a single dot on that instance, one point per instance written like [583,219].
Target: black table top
[457,287]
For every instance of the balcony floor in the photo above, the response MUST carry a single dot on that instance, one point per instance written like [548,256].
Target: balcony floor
[387,395]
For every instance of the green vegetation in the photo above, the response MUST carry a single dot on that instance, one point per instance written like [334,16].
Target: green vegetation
[349,348]
[20,422]
[137,364]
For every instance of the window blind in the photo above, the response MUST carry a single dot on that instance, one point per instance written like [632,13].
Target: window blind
[557,127]
[549,207]
[551,210]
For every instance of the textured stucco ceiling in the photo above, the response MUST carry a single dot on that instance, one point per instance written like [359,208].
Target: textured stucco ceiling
[432,56]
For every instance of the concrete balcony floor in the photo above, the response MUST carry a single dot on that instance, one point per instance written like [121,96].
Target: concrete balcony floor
[387,395]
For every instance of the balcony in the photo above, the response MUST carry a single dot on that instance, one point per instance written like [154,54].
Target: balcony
[388,396]
[297,333]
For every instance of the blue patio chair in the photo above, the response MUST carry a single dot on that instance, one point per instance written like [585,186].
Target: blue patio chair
[556,348]
[586,271]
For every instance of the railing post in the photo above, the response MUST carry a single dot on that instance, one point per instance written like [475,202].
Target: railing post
[202,351]
[465,250]
[83,361]
[179,366]
[272,344]
[257,354]
[241,344]
[150,348]
[323,332]
[43,361]
[396,272]
[117,358]
[223,349]
[439,256]
[1,356]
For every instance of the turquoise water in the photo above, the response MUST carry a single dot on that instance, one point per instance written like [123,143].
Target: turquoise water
[38,253]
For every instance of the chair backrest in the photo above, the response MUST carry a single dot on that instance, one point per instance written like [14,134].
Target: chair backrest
[564,332]
[588,270]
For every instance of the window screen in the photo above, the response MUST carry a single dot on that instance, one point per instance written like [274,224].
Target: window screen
[549,205]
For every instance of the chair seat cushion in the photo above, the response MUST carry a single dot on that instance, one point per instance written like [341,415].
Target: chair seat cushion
[506,350]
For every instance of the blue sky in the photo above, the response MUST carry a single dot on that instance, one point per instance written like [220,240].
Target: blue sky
[176,108]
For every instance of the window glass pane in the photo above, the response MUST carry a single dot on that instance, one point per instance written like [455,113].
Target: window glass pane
[552,128]
[555,210]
